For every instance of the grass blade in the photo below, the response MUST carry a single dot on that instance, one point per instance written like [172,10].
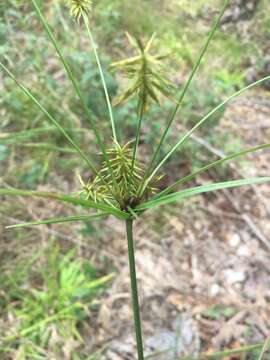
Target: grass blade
[48,147]
[59,220]
[86,22]
[167,199]
[61,314]
[75,85]
[210,166]
[186,87]
[68,70]
[66,198]
[198,125]
[100,282]
[10,138]
[49,116]
[265,348]
[137,140]
[113,176]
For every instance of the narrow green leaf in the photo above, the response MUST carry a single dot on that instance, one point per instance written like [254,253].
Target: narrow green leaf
[99,282]
[66,198]
[86,22]
[26,134]
[210,166]
[59,220]
[48,147]
[74,83]
[67,68]
[265,348]
[167,199]
[198,125]
[138,130]
[186,87]
[50,117]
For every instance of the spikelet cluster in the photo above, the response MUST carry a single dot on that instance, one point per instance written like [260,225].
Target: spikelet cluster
[127,175]
[78,7]
[146,74]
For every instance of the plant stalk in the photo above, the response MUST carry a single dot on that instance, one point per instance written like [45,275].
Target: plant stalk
[134,290]
[138,130]
[94,47]
[136,145]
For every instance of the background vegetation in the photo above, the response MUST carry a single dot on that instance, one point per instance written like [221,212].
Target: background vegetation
[53,280]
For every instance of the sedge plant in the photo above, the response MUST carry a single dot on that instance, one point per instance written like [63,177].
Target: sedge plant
[123,186]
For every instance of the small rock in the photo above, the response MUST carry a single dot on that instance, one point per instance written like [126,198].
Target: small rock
[171,344]
[250,290]
[215,289]
[234,276]
[234,240]
[164,341]
[124,346]
[244,251]
[240,10]
[112,356]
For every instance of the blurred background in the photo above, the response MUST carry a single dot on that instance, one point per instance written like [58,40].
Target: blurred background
[203,264]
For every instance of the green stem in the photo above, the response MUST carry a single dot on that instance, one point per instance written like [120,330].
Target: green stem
[137,140]
[138,130]
[134,290]
[86,22]
[141,107]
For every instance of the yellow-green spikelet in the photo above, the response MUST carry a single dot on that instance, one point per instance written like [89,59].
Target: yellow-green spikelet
[78,7]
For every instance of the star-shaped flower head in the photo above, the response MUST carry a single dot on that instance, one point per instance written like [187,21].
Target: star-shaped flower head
[78,7]
[146,73]
[127,175]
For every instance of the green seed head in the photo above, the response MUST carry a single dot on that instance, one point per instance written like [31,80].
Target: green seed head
[78,7]
[146,74]
[127,175]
